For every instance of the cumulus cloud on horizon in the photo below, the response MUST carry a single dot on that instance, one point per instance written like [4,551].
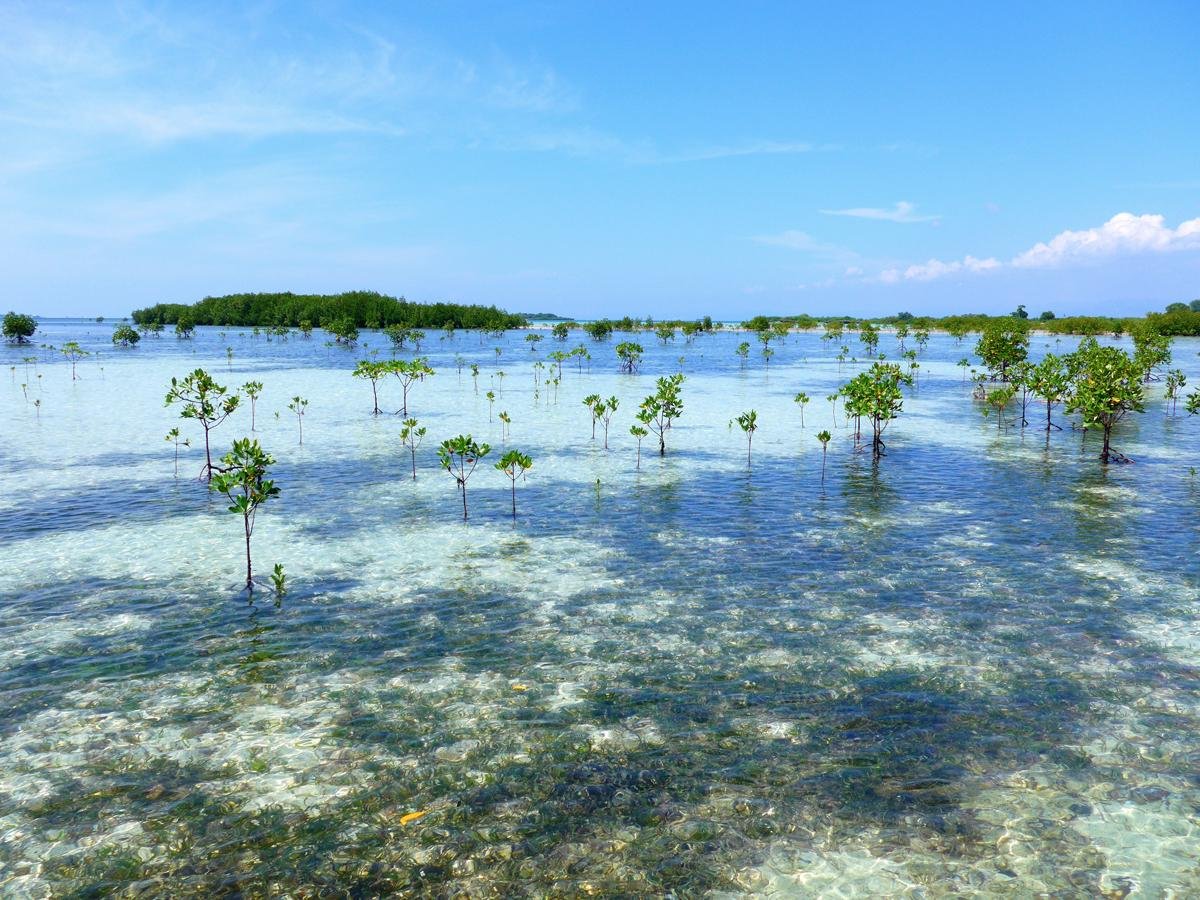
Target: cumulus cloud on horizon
[1123,234]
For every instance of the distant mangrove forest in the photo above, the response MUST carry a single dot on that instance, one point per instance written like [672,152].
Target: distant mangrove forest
[359,309]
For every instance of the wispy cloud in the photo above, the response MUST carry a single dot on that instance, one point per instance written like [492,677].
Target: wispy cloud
[803,242]
[903,212]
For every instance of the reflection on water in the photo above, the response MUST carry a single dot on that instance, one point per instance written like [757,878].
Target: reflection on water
[971,667]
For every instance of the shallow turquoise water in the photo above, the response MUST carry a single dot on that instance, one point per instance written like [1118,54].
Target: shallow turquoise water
[972,668]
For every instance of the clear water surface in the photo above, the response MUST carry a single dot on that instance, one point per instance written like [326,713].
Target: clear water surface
[972,668]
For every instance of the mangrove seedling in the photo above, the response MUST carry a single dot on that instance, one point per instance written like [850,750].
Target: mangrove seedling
[514,464]
[802,400]
[173,437]
[298,406]
[1050,381]
[591,401]
[630,354]
[475,376]
[998,399]
[372,372]
[638,432]
[824,437]
[411,435]
[252,389]
[408,373]
[661,408]
[205,401]
[73,352]
[505,422]
[743,352]
[459,456]
[604,412]
[748,422]
[278,581]
[491,399]
[1175,383]
[242,478]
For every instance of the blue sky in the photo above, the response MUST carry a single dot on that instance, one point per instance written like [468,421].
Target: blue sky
[603,158]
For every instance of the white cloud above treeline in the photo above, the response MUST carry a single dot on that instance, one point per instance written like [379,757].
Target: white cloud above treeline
[1125,234]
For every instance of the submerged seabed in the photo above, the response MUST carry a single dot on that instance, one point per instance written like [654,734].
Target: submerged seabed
[971,669]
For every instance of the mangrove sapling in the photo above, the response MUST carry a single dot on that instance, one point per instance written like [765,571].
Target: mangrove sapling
[505,422]
[1151,349]
[1175,383]
[661,408]
[408,373]
[499,383]
[743,352]
[922,339]
[229,358]
[173,437]
[591,401]
[491,399]
[1049,381]
[298,406]
[748,422]
[964,364]
[411,435]
[901,334]
[876,394]
[514,464]
[824,437]
[1020,375]
[372,372]
[252,389]
[475,376]
[1192,404]
[561,331]
[767,353]
[638,432]
[868,334]
[664,333]
[73,352]
[533,340]
[125,336]
[604,412]
[1001,345]
[459,456]
[998,399]
[242,477]
[630,354]
[459,362]
[801,399]
[1108,385]
[19,328]
[184,328]
[558,356]
[833,399]
[205,401]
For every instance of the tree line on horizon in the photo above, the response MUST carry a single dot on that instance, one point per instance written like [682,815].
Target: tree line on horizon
[363,309]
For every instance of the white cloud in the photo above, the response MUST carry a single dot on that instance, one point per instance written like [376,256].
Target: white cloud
[903,212]
[1123,234]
